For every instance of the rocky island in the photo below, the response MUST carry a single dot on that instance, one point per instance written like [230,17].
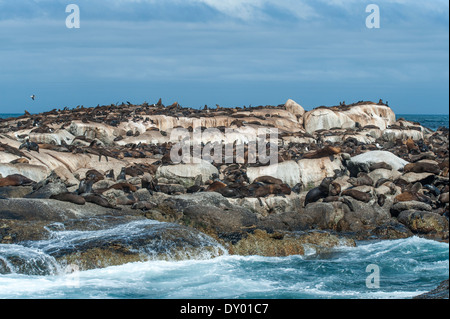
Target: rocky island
[342,173]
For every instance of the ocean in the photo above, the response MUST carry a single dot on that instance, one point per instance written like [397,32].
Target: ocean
[404,268]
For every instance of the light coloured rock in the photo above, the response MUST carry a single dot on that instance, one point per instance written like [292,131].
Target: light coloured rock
[288,172]
[313,171]
[366,114]
[373,157]
[294,108]
[415,177]
[392,134]
[33,172]
[54,138]
[185,174]
[379,173]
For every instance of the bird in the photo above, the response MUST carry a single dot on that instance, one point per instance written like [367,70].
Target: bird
[33,97]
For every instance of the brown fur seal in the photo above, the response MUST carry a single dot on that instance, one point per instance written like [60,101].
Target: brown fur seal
[334,189]
[422,167]
[20,161]
[94,175]
[381,200]
[363,197]
[98,200]
[16,180]
[268,180]
[126,187]
[324,152]
[314,195]
[361,180]
[274,189]
[383,165]
[69,197]
[215,186]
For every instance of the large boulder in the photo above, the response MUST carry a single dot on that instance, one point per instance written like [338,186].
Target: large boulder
[323,118]
[185,174]
[423,222]
[288,172]
[362,162]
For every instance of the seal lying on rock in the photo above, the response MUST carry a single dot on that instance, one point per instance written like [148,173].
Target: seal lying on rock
[69,197]
[16,180]
[358,195]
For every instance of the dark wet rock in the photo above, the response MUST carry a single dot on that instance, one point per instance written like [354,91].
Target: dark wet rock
[279,244]
[397,208]
[48,190]
[423,222]
[15,191]
[441,292]
[137,241]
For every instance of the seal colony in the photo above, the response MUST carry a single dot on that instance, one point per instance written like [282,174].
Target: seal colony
[351,171]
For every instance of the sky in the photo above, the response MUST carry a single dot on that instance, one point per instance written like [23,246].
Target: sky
[226,52]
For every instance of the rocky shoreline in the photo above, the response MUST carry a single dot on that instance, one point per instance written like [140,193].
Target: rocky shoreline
[344,173]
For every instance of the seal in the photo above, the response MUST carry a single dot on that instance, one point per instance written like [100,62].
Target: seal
[20,161]
[268,180]
[16,180]
[422,167]
[314,195]
[215,186]
[358,195]
[69,197]
[323,152]
[334,189]
[378,165]
[381,200]
[30,146]
[361,180]
[275,189]
[85,187]
[94,175]
[126,187]
[98,200]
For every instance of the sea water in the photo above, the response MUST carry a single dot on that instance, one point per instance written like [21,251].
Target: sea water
[406,268]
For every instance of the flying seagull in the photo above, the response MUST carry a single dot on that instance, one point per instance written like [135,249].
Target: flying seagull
[32,97]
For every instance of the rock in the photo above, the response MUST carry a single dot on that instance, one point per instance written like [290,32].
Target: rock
[423,222]
[185,174]
[325,215]
[141,240]
[444,198]
[48,190]
[441,292]
[323,118]
[397,208]
[363,217]
[362,162]
[390,230]
[424,178]
[33,172]
[296,109]
[288,172]
[219,222]
[279,244]
[313,171]
[15,191]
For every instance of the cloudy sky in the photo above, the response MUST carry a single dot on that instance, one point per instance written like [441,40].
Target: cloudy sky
[227,52]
